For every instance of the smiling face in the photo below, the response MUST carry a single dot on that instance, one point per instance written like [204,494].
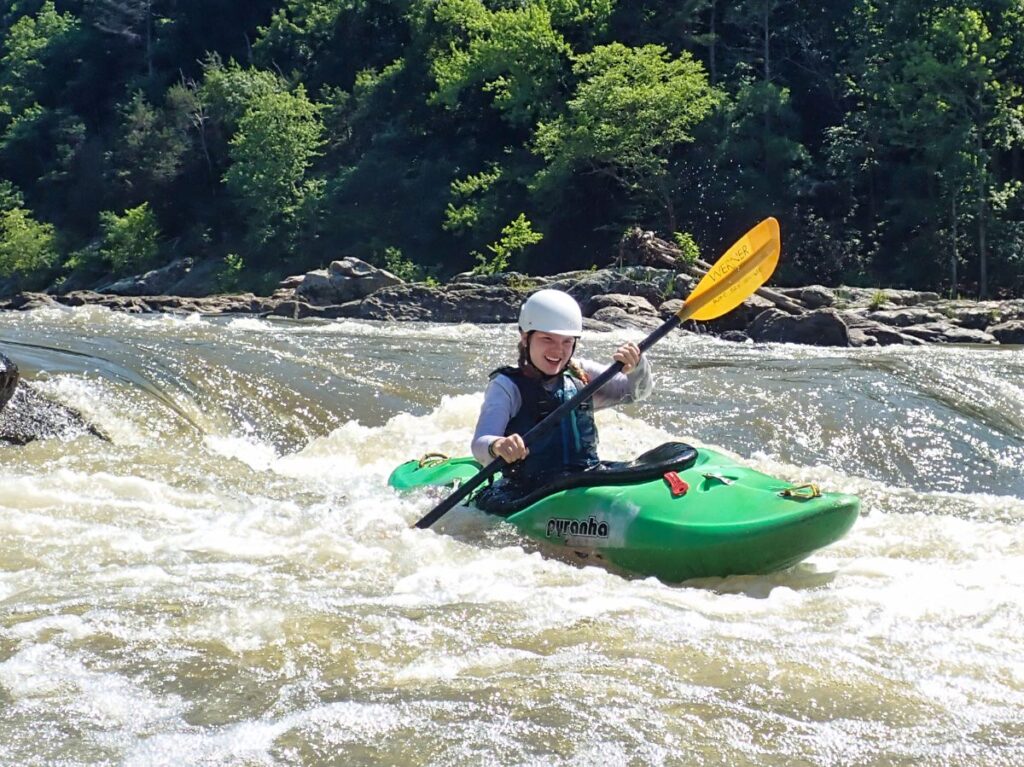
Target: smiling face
[549,352]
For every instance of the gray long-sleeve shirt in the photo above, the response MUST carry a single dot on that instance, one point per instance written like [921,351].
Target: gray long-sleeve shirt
[502,400]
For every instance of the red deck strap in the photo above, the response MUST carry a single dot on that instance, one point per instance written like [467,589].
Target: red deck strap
[676,484]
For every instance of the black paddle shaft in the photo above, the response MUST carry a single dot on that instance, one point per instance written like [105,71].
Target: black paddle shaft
[546,425]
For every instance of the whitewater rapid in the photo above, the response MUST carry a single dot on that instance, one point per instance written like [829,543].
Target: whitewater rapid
[230,581]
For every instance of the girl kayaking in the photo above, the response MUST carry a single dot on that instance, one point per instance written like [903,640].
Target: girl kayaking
[518,398]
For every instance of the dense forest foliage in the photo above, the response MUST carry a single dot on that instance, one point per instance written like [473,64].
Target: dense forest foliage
[436,136]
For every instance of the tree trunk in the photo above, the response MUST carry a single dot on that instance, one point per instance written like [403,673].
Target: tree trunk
[982,246]
[712,43]
[766,12]
[955,255]
[149,38]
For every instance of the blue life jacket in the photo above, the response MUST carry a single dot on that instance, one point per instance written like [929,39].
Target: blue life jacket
[570,446]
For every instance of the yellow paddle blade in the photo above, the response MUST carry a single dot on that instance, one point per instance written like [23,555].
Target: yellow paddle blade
[743,268]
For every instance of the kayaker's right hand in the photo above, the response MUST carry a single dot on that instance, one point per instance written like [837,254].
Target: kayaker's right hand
[510,448]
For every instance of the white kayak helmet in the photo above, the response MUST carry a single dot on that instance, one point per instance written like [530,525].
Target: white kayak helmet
[551,311]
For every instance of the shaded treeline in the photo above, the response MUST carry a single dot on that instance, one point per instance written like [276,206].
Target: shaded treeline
[433,136]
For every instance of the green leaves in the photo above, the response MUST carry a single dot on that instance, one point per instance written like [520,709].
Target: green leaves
[515,238]
[130,240]
[26,245]
[278,136]
[940,98]
[516,55]
[631,109]
[26,47]
[888,135]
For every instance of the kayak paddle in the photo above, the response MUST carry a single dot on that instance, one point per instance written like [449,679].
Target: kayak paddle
[743,268]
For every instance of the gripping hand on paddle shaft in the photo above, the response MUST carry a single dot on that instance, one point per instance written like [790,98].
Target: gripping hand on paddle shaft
[629,356]
[510,449]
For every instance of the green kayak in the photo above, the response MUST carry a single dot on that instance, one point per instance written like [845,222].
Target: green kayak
[674,513]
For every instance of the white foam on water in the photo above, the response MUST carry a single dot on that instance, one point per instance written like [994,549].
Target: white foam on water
[255,454]
[100,403]
[354,449]
[99,699]
[250,325]
[112,494]
[137,575]
[228,565]
[252,742]
[432,666]
[69,627]
[242,629]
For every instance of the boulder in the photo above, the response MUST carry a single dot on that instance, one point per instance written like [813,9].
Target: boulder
[450,303]
[200,281]
[903,318]
[1011,332]
[620,317]
[30,416]
[637,305]
[28,301]
[656,285]
[736,336]
[822,327]
[813,296]
[846,296]
[945,332]
[153,283]
[516,280]
[740,317]
[866,332]
[8,379]
[977,317]
[911,297]
[344,280]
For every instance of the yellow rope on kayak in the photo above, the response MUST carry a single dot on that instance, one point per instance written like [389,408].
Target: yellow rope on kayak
[432,459]
[802,492]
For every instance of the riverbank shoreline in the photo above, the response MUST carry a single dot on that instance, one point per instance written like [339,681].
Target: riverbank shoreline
[618,297]
[639,297]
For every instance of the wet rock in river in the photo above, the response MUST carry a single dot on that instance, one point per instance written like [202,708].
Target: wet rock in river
[822,327]
[29,416]
[8,379]
[1008,332]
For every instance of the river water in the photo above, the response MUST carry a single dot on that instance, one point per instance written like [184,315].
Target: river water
[229,581]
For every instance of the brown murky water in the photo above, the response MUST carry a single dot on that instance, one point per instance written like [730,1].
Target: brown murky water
[230,581]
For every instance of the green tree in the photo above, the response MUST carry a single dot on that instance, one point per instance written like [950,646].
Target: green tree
[151,148]
[229,89]
[516,237]
[632,109]
[26,50]
[938,105]
[26,245]
[278,137]
[328,42]
[131,240]
[10,196]
[513,54]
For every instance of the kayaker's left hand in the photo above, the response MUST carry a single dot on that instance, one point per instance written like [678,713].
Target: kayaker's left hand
[628,355]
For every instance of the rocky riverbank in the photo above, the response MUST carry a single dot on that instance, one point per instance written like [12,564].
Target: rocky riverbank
[645,287]
[639,296]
